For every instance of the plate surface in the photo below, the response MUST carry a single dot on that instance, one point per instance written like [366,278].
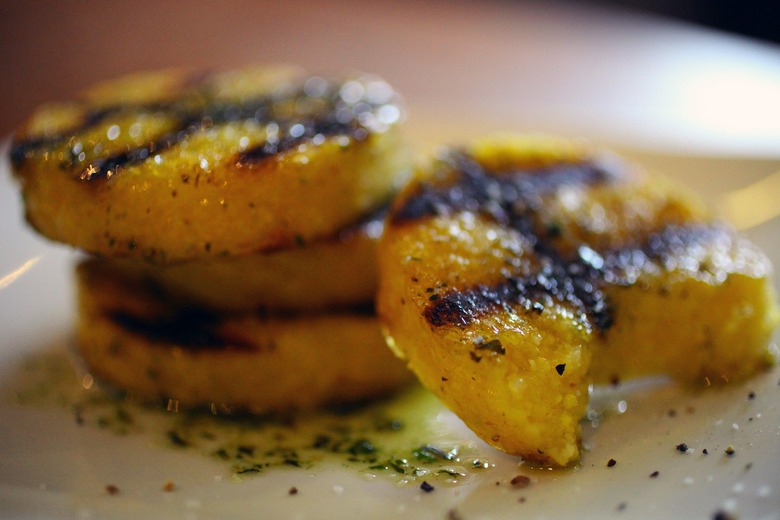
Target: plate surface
[68,450]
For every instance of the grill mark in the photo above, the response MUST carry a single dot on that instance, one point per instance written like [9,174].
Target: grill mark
[511,198]
[190,122]
[26,148]
[198,329]
[193,329]
[577,280]
[335,116]
[581,283]
[111,165]
[293,137]
[533,293]
[697,249]
[502,196]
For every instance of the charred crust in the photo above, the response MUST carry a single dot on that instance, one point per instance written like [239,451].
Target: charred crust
[192,329]
[291,140]
[328,113]
[579,283]
[573,279]
[500,195]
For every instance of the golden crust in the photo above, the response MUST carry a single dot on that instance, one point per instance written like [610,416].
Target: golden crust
[330,273]
[174,167]
[150,349]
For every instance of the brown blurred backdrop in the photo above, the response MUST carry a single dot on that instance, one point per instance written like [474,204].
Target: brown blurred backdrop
[593,69]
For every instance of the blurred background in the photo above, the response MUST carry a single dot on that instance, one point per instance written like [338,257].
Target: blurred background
[754,18]
[695,77]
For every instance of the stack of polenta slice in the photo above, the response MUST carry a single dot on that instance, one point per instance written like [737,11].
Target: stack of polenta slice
[233,219]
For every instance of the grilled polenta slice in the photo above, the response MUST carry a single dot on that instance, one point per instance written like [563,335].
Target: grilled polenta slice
[520,270]
[334,272]
[154,350]
[171,166]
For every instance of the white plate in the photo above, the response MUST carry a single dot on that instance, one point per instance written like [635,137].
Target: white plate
[59,463]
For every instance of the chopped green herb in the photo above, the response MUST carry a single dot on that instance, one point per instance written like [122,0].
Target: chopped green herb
[399,465]
[362,447]
[176,439]
[451,472]
[222,454]
[123,416]
[250,469]
[394,425]
[428,453]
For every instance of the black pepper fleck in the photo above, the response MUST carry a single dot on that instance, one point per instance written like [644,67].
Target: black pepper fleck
[730,450]
[111,489]
[292,491]
[494,345]
[520,482]
[426,487]
[752,395]
[560,368]
[453,514]
[682,447]
[655,474]
[611,463]
[621,506]
[705,451]
[79,418]
[723,515]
